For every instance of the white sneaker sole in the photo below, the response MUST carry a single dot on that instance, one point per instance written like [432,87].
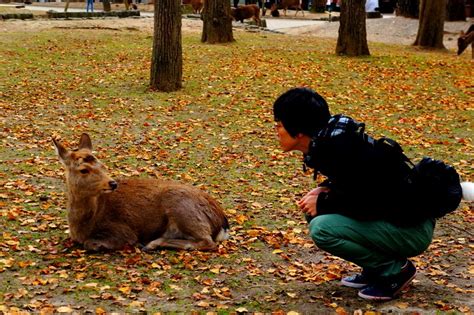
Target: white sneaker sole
[353,285]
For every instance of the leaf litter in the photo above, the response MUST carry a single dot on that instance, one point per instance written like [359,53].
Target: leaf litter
[216,134]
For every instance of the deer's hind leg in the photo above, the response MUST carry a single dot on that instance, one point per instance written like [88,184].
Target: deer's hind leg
[182,235]
[189,223]
[205,245]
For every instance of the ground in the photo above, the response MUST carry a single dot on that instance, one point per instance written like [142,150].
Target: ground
[396,30]
[273,271]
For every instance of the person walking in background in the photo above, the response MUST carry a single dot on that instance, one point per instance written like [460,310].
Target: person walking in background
[90,6]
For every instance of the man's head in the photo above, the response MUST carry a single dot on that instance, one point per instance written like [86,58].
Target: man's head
[301,111]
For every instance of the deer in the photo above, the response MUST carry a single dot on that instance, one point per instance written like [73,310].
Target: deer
[197,5]
[107,215]
[285,4]
[246,12]
[466,39]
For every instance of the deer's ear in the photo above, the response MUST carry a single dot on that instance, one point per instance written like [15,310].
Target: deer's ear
[62,152]
[462,33]
[85,142]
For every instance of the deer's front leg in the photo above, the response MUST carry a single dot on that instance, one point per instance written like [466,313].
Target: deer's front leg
[97,245]
[115,238]
[94,245]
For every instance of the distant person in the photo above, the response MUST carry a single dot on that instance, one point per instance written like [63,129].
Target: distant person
[90,6]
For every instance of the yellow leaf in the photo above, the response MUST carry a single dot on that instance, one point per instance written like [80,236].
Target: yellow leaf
[64,309]
[125,290]
[402,305]
[341,311]
[7,262]
[241,310]
[136,304]
[257,205]
[203,304]
[241,218]
[471,270]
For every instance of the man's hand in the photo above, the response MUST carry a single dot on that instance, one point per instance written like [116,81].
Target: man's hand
[308,203]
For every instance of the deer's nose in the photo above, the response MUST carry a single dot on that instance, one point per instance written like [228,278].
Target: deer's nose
[113,184]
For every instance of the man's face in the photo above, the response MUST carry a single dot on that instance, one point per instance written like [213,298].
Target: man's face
[287,142]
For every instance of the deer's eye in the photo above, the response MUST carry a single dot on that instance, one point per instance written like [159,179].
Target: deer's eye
[84,171]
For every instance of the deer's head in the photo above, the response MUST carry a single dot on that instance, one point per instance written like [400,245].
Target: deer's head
[85,175]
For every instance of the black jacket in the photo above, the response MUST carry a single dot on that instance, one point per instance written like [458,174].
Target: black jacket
[366,177]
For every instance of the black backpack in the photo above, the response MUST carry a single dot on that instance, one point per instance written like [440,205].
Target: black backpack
[431,187]
[435,187]
[428,189]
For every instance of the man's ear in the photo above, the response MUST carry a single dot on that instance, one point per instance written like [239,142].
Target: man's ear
[61,151]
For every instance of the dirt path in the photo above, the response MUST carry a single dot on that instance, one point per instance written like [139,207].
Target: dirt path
[396,30]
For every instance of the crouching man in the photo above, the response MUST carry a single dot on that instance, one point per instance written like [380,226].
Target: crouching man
[354,214]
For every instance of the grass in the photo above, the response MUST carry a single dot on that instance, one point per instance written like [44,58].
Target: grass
[217,132]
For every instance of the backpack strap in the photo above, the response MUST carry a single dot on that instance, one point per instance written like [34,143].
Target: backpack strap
[395,146]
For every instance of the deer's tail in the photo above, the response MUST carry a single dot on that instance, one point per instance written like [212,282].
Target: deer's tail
[219,223]
[224,232]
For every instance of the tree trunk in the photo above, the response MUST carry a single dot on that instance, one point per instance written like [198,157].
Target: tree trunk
[217,27]
[319,6]
[431,25]
[67,5]
[106,5]
[167,55]
[352,38]
[408,8]
[455,10]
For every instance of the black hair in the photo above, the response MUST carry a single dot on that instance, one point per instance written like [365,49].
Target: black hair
[301,110]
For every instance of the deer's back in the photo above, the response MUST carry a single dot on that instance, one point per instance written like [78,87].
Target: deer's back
[149,206]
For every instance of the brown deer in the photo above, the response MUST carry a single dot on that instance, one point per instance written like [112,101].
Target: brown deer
[466,39]
[246,12]
[105,214]
[285,4]
[195,4]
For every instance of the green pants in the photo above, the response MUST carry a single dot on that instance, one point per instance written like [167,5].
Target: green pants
[379,247]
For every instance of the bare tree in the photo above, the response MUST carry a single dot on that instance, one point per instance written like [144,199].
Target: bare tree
[408,8]
[352,38]
[107,6]
[455,10]
[167,55]
[319,6]
[217,27]
[431,24]
[67,5]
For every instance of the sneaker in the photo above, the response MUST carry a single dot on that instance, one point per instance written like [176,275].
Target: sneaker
[384,291]
[358,281]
